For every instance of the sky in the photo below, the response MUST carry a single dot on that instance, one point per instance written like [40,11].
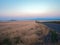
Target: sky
[29,9]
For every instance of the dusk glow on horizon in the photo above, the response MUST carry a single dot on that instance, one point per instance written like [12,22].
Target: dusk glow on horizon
[29,9]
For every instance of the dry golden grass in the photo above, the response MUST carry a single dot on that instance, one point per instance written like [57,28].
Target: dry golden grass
[22,33]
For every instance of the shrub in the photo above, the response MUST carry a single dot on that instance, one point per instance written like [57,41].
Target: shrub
[7,41]
[17,40]
[54,36]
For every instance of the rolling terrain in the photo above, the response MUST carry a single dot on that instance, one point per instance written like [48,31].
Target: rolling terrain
[23,33]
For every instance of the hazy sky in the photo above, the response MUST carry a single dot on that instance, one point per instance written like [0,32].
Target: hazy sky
[29,9]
